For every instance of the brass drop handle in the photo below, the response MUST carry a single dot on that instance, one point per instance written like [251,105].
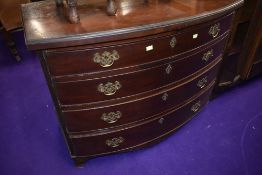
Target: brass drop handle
[114,142]
[109,88]
[214,30]
[196,106]
[208,55]
[202,83]
[173,42]
[106,59]
[111,117]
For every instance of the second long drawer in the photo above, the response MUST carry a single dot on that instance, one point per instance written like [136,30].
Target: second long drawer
[132,111]
[123,85]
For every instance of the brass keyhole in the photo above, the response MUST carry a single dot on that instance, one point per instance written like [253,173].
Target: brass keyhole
[161,120]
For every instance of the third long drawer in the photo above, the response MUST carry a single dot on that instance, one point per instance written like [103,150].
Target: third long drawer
[122,113]
[142,134]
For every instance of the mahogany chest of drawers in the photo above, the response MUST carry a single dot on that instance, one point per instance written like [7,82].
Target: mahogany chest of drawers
[124,82]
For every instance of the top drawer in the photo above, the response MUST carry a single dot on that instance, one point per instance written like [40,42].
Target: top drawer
[125,54]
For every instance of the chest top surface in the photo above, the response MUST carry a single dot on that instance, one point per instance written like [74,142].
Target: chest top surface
[46,25]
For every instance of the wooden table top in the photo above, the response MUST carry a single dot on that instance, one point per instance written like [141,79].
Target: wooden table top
[46,26]
[10,13]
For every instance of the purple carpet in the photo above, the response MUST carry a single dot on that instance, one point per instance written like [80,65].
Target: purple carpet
[225,139]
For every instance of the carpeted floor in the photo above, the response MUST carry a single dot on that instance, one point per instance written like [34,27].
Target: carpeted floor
[225,139]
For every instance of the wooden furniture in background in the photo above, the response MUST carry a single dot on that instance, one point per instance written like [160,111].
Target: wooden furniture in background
[10,19]
[251,55]
[126,82]
[242,59]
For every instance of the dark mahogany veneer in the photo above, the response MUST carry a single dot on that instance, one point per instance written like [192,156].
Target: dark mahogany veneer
[125,82]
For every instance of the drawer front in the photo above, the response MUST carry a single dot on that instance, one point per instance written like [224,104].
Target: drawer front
[133,111]
[134,53]
[80,92]
[138,135]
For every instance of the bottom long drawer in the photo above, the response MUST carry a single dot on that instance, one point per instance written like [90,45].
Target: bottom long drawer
[140,135]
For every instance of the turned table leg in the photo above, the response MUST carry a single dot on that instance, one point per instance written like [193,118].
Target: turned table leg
[10,42]
[72,8]
[111,7]
[59,2]
[73,14]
